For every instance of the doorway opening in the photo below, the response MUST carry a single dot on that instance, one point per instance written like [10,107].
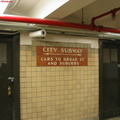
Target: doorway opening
[109,99]
[9,77]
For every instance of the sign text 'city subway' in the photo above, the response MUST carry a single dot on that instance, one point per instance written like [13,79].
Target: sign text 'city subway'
[61,56]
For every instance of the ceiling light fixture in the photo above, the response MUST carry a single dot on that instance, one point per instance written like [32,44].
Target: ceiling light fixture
[50,7]
[3,6]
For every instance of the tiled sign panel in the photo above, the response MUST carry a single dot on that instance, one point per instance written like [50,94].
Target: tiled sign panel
[61,56]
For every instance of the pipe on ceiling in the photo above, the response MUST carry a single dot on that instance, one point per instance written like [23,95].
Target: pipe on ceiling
[58,23]
[112,12]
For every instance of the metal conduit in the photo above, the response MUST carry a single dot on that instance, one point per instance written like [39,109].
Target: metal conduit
[58,23]
[13,29]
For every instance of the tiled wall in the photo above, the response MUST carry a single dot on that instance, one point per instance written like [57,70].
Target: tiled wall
[58,93]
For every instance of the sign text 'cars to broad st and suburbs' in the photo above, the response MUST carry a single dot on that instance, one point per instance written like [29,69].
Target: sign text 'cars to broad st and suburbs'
[61,56]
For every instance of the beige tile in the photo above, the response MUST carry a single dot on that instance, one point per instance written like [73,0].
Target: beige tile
[65,93]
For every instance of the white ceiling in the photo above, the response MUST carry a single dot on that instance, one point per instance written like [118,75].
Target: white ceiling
[70,12]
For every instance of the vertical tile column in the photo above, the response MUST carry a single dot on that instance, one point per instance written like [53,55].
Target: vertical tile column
[60,92]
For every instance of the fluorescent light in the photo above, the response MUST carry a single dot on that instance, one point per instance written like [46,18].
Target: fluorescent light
[112,34]
[46,7]
[3,6]
[52,6]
